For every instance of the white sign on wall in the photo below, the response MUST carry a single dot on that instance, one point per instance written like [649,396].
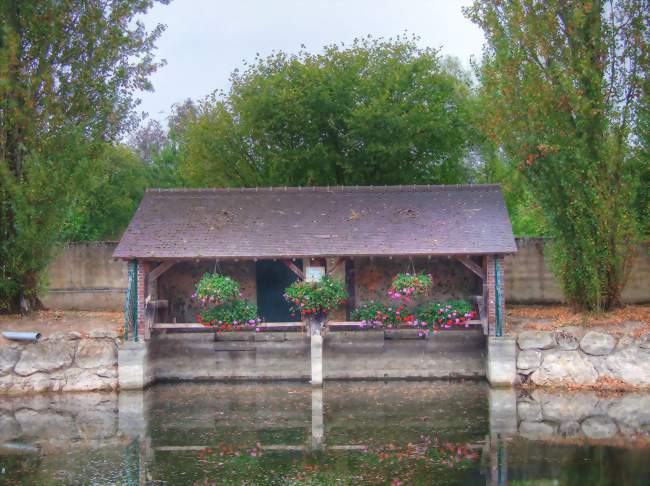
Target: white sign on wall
[314,274]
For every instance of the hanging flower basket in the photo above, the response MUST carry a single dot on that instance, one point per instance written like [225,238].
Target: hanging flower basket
[214,289]
[409,285]
[315,298]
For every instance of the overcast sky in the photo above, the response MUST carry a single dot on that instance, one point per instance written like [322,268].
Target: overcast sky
[206,40]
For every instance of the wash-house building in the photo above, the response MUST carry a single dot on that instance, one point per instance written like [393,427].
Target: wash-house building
[266,238]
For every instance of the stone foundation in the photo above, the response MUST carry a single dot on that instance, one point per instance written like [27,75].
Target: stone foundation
[575,356]
[62,362]
[370,354]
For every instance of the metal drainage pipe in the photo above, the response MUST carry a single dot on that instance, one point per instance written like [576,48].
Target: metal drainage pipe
[22,336]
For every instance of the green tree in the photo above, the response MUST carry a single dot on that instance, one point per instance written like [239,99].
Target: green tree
[68,71]
[563,81]
[374,112]
[112,193]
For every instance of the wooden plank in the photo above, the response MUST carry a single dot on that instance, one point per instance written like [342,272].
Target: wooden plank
[474,267]
[159,270]
[292,266]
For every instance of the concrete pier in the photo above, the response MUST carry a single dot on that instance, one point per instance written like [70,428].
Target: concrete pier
[134,372]
[501,361]
[316,355]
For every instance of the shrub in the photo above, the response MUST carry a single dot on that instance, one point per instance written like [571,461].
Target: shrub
[214,289]
[314,298]
[231,316]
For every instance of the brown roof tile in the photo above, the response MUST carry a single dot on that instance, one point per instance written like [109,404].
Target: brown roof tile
[318,221]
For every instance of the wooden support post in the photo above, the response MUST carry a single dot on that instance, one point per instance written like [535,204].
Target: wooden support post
[294,268]
[336,265]
[473,266]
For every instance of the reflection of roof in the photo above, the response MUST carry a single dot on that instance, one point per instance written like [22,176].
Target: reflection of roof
[318,221]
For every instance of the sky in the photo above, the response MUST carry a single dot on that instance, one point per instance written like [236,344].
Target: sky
[205,40]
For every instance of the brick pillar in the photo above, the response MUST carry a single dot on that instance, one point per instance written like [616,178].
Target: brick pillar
[489,294]
[502,291]
[143,270]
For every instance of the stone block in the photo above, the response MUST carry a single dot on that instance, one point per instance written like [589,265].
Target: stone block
[8,359]
[597,343]
[564,367]
[95,353]
[536,340]
[529,359]
[45,356]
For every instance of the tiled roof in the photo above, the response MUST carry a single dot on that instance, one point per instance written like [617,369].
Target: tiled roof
[318,221]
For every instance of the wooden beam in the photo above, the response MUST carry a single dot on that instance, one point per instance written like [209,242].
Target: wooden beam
[335,266]
[292,266]
[158,271]
[474,267]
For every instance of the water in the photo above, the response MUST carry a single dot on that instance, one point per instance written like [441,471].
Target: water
[348,433]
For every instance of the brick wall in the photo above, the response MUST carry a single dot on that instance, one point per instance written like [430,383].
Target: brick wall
[451,279]
[177,284]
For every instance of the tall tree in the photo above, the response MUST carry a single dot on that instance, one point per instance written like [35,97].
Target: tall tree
[375,112]
[563,78]
[68,71]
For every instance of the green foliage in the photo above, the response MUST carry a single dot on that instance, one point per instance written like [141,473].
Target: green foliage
[68,71]
[374,112]
[214,289]
[561,81]
[315,298]
[231,316]
[112,192]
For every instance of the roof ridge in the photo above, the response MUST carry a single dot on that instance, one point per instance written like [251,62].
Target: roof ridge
[280,189]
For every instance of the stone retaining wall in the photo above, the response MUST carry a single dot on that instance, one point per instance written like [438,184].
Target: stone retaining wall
[576,356]
[61,362]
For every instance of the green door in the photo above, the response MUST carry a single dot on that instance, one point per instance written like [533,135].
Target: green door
[272,278]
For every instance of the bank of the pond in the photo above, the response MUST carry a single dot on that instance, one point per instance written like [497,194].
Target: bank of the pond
[546,347]
[557,348]
[60,362]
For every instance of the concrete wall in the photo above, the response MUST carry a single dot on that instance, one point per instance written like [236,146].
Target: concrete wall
[346,355]
[85,277]
[529,280]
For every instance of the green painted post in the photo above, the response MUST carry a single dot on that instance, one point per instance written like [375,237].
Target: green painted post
[497,297]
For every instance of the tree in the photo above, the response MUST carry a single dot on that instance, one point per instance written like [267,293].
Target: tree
[68,71]
[563,79]
[106,207]
[374,112]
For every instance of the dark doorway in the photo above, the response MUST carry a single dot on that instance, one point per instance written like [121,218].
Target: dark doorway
[272,278]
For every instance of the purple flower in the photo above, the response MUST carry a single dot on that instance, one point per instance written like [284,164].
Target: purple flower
[257,329]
